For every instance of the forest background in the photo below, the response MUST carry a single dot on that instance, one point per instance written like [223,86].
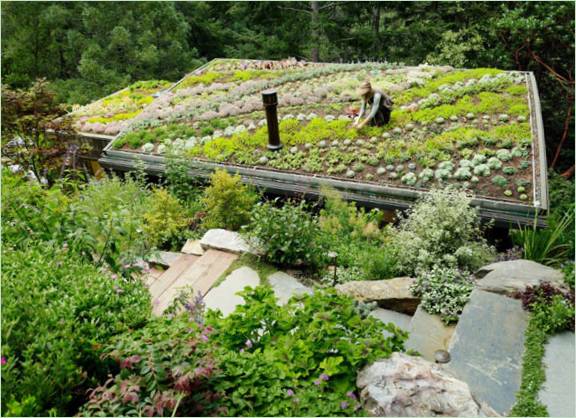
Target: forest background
[90,49]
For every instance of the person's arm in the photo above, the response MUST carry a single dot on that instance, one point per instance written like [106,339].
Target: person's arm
[373,110]
[375,106]
[362,110]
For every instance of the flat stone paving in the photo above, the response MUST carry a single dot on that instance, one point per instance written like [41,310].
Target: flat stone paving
[487,348]
[286,286]
[224,297]
[558,391]
[428,333]
[224,240]
[401,320]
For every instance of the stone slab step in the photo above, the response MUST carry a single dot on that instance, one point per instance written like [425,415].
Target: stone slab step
[224,240]
[558,390]
[164,258]
[401,320]
[192,247]
[163,282]
[153,275]
[200,276]
[428,333]
[224,297]
[487,348]
[286,286]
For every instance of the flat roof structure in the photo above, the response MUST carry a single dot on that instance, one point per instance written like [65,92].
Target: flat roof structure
[475,129]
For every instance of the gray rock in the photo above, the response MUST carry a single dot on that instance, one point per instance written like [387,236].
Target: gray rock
[487,348]
[558,390]
[286,286]
[401,320]
[221,239]
[224,297]
[405,386]
[391,294]
[192,247]
[508,277]
[164,258]
[428,334]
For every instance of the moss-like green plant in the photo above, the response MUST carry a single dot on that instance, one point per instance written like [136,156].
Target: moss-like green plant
[510,171]
[499,181]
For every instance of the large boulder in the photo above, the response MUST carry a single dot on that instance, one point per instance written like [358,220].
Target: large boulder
[391,294]
[509,277]
[405,386]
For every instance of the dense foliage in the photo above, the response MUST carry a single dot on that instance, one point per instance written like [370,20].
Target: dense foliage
[442,229]
[57,310]
[262,360]
[227,202]
[286,234]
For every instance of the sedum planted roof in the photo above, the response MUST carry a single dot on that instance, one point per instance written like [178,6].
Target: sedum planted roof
[472,128]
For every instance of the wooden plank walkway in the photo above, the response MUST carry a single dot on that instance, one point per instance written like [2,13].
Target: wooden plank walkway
[198,272]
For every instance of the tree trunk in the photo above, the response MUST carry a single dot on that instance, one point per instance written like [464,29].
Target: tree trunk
[315,30]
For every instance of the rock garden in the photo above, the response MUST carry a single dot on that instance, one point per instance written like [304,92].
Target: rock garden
[169,303]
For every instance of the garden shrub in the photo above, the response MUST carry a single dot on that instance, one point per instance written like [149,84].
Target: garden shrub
[379,263]
[352,232]
[164,369]
[57,310]
[227,202]
[109,214]
[444,291]
[441,229]
[299,359]
[286,235]
[262,360]
[165,220]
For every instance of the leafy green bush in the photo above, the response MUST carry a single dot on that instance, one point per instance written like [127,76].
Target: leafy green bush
[163,369]
[179,182]
[165,220]
[444,291]
[352,232]
[228,202]
[286,235]
[56,312]
[379,263]
[299,359]
[441,229]
[110,216]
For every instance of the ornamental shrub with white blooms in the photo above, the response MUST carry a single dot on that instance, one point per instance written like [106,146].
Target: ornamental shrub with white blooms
[442,229]
[444,291]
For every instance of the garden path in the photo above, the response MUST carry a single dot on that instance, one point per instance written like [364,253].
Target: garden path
[198,272]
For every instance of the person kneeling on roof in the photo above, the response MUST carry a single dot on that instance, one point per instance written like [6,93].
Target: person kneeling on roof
[380,107]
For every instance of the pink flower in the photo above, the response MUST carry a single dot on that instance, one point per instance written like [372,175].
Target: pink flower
[248,344]
[290,392]
[3,360]
[317,382]
[351,395]
[343,404]
[114,276]
[324,377]
[204,337]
